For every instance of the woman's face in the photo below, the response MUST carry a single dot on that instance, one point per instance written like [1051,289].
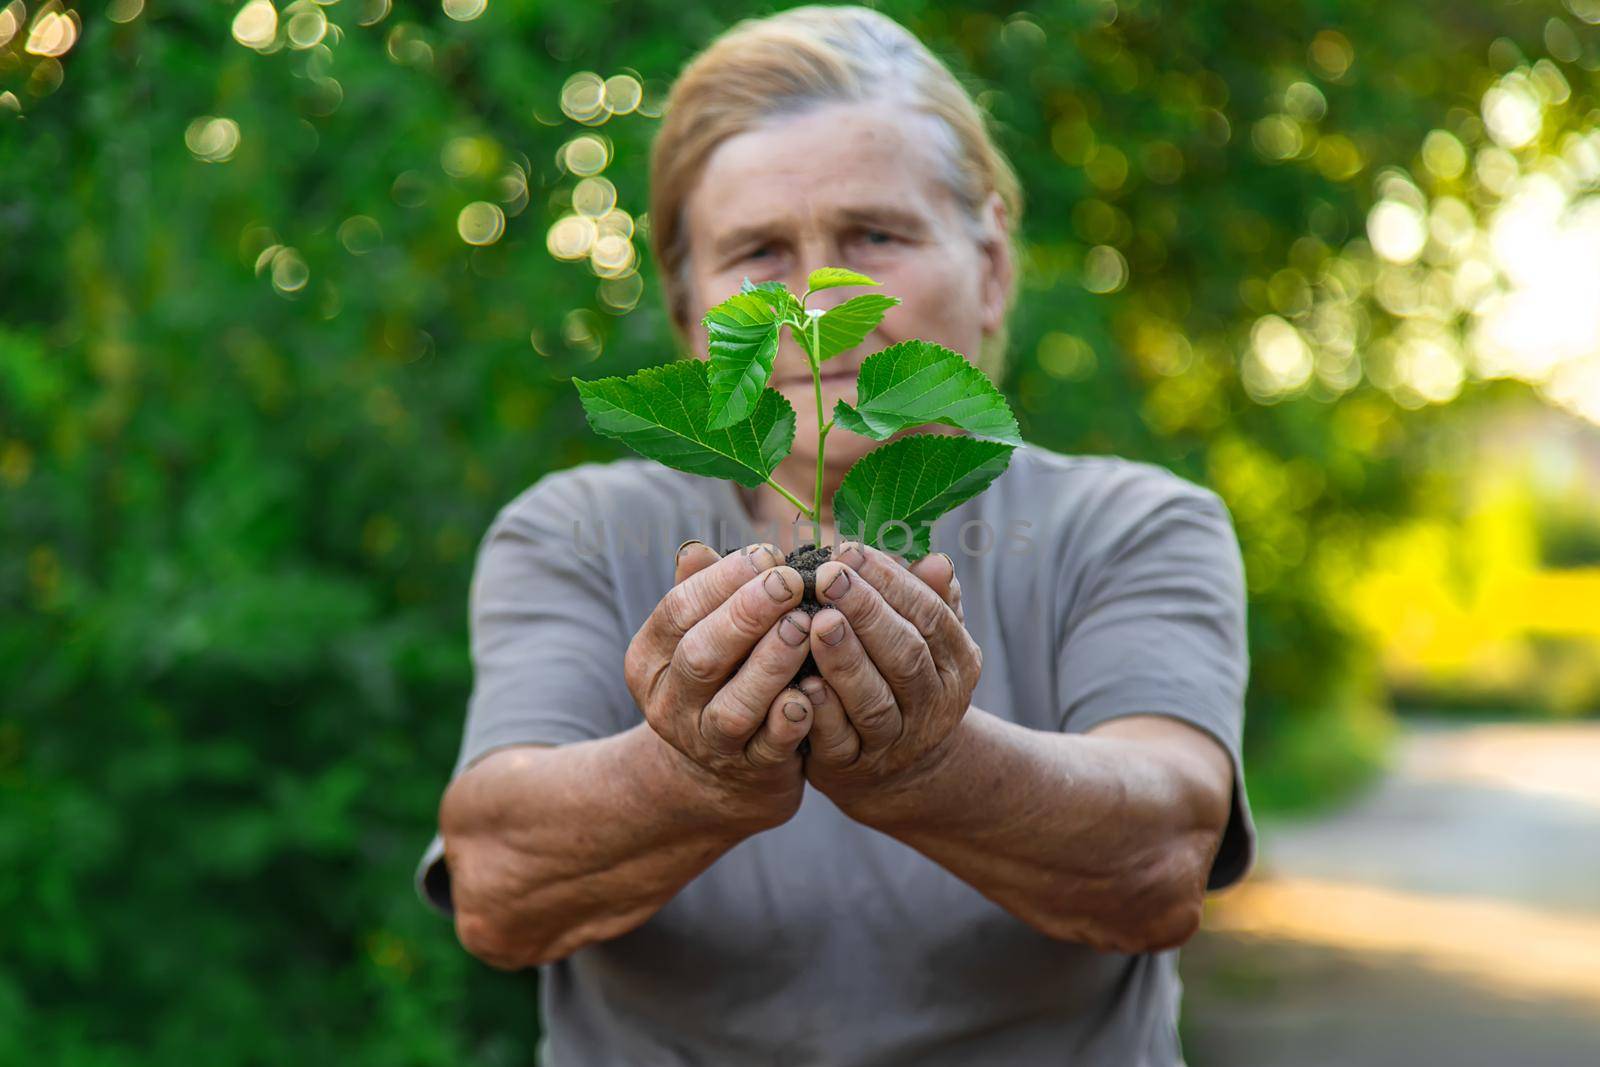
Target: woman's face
[845,185]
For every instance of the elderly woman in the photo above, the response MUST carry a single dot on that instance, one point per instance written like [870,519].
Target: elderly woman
[1022,773]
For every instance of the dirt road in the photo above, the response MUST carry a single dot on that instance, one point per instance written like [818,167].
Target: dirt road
[1449,916]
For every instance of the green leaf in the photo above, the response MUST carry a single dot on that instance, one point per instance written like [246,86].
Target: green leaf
[833,277]
[912,482]
[743,334]
[844,327]
[776,294]
[660,413]
[917,382]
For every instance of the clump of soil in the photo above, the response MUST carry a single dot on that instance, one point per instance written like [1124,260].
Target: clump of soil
[805,559]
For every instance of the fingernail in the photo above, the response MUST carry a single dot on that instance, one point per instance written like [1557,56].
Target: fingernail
[839,586]
[950,561]
[692,541]
[850,552]
[773,554]
[835,635]
[793,628]
[794,711]
[776,586]
[812,688]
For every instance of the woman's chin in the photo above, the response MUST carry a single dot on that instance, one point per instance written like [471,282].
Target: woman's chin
[802,395]
[843,450]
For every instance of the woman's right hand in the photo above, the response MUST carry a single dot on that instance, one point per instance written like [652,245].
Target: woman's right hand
[710,670]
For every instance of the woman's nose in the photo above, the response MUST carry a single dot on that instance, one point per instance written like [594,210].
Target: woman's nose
[816,253]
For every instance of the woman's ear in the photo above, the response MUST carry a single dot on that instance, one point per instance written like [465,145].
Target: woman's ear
[999,274]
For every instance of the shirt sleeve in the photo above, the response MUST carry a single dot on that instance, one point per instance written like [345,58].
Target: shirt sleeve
[1158,627]
[546,639]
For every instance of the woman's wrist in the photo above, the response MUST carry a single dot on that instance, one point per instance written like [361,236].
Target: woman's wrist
[733,809]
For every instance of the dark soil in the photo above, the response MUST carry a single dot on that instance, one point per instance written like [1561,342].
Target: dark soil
[805,559]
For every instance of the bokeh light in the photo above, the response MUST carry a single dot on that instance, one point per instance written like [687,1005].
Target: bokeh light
[481,223]
[256,24]
[1397,231]
[571,237]
[580,329]
[360,234]
[585,155]
[1494,275]
[371,12]
[53,33]
[1105,270]
[1162,162]
[465,10]
[1331,53]
[466,156]
[410,188]
[12,16]
[212,139]
[1305,102]
[583,97]
[596,229]
[408,46]
[1066,356]
[616,221]
[1277,137]
[1443,155]
[1338,158]
[46,76]
[290,273]
[612,255]
[307,25]
[594,197]
[513,190]
[623,92]
[621,295]
[1279,361]
[1511,111]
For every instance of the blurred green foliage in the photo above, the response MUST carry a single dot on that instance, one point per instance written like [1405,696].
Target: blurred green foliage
[247,446]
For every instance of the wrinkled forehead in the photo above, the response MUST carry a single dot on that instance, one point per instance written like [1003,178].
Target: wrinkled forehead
[826,165]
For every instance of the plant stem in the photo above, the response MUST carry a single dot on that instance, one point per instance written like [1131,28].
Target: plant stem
[822,428]
[791,498]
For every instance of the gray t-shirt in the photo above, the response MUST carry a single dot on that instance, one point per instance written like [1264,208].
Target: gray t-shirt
[1097,587]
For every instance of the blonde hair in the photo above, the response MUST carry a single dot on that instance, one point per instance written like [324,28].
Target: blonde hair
[786,63]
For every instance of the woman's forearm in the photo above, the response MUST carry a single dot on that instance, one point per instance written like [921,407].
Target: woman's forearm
[554,848]
[1103,839]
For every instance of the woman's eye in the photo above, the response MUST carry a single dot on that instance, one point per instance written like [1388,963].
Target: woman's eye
[877,237]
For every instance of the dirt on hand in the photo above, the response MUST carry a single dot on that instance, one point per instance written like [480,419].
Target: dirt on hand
[805,559]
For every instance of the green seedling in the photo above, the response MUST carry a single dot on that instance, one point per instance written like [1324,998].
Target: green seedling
[719,418]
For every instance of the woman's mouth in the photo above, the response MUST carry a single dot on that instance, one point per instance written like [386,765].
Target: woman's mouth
[830,375]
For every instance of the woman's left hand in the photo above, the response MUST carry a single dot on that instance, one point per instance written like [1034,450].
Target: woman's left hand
[898,671]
